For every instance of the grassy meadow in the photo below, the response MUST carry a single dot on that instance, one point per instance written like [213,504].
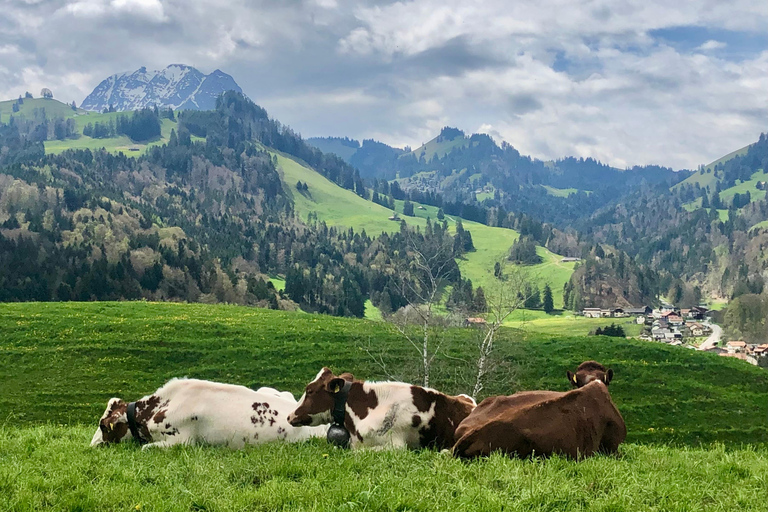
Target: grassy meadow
[697,432]
[340,207]
[50,468]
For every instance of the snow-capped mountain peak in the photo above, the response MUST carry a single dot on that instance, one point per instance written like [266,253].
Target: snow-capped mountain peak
[177,86]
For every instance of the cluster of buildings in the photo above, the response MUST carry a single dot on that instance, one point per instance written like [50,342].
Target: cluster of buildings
[667,324]
[748,352]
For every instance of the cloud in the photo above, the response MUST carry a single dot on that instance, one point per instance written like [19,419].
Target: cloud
[626,81]
[711,45]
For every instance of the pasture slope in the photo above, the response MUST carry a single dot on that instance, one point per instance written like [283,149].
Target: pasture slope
[60,362]
[340,207]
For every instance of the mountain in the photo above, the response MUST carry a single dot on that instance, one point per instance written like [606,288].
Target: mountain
[177,86]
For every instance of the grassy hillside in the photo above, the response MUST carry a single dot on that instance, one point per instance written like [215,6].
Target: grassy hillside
[53,109]
[333,145]
[442,148]
[61,362]
[340,207]
[709,178]
[50,468]
[56,109]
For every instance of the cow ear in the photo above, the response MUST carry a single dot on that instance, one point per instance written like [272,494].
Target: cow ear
[572,378]
[608,376]
[335,385]
[347,376]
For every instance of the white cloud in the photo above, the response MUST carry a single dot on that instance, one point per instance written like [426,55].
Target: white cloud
[553,78]
[712,45]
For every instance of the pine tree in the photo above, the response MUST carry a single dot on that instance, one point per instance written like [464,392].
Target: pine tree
[549,304]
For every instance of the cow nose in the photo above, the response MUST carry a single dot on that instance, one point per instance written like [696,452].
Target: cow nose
[291,418]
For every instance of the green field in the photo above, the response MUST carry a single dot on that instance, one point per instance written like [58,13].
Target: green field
[61,362]
[53,109]
[565,323]
[560,192]
[433,147]
[50,468]
[340,207]
[113,145]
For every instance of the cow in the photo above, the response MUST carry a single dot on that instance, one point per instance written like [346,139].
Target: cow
[382,415]
[577,423]
[191,411]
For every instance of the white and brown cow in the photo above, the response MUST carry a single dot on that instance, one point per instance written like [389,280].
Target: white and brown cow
[191,411]
[384,414]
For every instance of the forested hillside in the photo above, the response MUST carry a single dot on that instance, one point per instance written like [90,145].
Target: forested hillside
[191,220]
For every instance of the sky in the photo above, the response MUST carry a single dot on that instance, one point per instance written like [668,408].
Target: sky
[627,82]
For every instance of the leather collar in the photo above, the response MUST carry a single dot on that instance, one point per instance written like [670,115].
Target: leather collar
[134,425]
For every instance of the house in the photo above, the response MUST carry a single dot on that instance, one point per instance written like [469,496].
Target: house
[735,346]
[592,312]
[694,313]
[761,350]
[660,334]
[618,313]
[640,320]
[606,313]
[569,259]
[394,217]
[696,329]
[675,320]
[475,322]
[645,311]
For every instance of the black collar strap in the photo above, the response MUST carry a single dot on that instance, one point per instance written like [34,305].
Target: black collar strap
[133,424]
[339,411]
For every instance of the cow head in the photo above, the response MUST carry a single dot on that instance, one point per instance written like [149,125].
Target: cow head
[113,425]
[589,371]
[316,404]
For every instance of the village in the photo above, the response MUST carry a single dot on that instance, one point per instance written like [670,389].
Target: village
[685,327]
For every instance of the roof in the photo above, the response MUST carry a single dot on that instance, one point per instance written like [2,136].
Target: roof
[476,320]
[736,344]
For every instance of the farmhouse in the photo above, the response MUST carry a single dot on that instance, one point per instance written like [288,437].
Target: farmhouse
[592,312]
[736,347]
[569,259]
[475,322]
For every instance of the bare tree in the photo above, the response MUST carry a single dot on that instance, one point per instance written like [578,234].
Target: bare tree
[503,297]
[420,281]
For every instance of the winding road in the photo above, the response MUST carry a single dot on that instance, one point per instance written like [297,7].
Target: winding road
[710,342]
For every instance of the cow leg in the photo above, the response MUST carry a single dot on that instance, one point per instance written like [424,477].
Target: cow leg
[168,442]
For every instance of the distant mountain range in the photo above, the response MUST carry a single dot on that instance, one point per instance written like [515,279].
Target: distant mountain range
[177,86]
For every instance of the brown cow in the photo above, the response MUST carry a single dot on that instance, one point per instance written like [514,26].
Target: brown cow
[576,423]
[384,414]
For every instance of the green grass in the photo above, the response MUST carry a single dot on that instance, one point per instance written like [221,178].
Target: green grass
[50,468]
[53,109]
[372,312]
[340,207]
[709,178]
[565,323]
[433,147]
[61,362]
[746,186]
[717,305]
[763,224]
[560,192]
[114,145]
[278,282]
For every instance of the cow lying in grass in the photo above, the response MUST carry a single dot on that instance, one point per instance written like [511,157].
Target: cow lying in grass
[191,411]
[577,423]
[384,414]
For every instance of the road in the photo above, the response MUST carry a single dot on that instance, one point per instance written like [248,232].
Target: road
[710,342]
